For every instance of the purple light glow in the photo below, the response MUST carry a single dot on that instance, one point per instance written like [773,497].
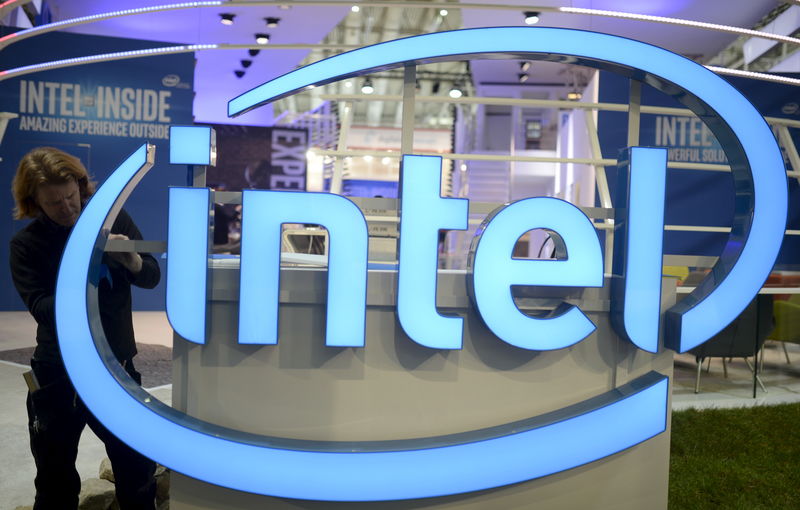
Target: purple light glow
[653,7]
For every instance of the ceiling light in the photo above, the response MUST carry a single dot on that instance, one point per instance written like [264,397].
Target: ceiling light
[253,53]
[522,77]
[443,12]
[679,21]
[348,84]
[574,96]
[524,66]
[531,17]
[227,18]
[455,91]
[262,38]
[386,160]
[367,87]
[272,22]
[239,73]
[355,8]
[367,158]
[758,76]
[285,7]
[246,63]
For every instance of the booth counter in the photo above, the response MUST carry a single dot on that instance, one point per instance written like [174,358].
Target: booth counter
[394,389]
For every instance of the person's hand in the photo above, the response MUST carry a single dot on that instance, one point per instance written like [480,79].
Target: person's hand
[130,259]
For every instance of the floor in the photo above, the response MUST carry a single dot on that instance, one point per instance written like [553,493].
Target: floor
[17,330]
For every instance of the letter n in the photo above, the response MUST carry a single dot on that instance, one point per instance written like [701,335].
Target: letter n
[263,213]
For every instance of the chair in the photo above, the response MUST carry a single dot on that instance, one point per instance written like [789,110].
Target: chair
[787,322]
[742,338]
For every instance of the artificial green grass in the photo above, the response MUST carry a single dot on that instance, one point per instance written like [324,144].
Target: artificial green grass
[736,459]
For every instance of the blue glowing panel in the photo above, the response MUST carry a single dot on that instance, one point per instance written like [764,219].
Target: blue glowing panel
[638,245]
[423,213]
[493,271]
[750,146]
[355,471]
[190,145]
[187,262]
[263,213]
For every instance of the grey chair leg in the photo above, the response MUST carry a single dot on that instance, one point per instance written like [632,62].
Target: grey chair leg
[757,378]
[760,383]
[786,353]
[697,377]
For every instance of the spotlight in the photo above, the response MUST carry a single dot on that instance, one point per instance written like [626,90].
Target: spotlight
[239,73]
[355,8]
[262,38]
[531,17]
[367,158]
[522,77]
[227,18]
[385,160]
[348,84]
[455,91]
[524,66]
[367,87]
[443,13]
[272,22]
[253,53]
[246,63]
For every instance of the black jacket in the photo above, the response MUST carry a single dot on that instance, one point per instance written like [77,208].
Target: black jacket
[35,256]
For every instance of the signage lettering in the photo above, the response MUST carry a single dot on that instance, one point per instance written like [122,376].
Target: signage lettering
[482,459]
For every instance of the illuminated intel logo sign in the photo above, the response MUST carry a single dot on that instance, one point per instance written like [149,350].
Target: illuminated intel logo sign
[481,459]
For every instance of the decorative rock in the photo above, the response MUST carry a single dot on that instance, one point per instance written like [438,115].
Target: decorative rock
[96,494]
[106,473]
[162,485]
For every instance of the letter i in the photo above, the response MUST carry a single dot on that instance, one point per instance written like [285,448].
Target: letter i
[23,96]
[187,262]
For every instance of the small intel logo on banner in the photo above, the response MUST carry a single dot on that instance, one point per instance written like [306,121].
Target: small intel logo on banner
[494,457]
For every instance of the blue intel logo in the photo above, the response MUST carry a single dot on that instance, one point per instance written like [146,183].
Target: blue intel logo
[485,458]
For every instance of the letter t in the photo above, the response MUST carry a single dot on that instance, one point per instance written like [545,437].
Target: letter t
[423,212]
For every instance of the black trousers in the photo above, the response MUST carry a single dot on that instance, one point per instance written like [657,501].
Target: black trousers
[56,419]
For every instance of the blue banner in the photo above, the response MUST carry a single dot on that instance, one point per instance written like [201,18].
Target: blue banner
[698,197]
[100,113]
